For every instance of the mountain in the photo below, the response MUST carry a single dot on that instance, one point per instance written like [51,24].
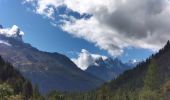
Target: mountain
[50,71]
[108,69]
[149,80]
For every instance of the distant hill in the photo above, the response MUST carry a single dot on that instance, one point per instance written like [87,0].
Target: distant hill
[150,80]
[50,71]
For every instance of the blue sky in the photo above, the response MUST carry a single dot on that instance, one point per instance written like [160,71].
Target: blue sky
[41,34]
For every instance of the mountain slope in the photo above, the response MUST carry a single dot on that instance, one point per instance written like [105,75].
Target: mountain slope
[50,71]
[107,69]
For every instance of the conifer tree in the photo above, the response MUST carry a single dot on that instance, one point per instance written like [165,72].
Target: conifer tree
[151,80]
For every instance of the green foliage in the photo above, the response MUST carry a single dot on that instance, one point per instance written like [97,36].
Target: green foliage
[151,80]
[27,89]
[165,90]
[151,87]
[148,94]
[56,96]
[15,97]
[36,94]
[5,91]
[103,93]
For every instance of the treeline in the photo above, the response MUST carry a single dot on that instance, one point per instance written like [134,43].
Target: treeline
[150,80]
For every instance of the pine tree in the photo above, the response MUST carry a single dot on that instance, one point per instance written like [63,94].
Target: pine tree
[27,89]
[151,83]
[151,80]
[36,94]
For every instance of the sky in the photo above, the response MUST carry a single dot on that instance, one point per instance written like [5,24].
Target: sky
[127,29]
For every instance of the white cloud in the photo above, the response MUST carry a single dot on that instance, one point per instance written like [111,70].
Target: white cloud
[115,24]
[81,6]
[45,7]
[14,31]
[85,59]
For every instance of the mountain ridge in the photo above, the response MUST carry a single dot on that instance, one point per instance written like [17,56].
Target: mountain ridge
[48,70]
[108,69]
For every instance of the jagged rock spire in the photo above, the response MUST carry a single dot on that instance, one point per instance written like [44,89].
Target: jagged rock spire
[167,45]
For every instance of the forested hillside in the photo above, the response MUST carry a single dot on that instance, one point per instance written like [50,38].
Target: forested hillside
[13,86]
[150,80]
